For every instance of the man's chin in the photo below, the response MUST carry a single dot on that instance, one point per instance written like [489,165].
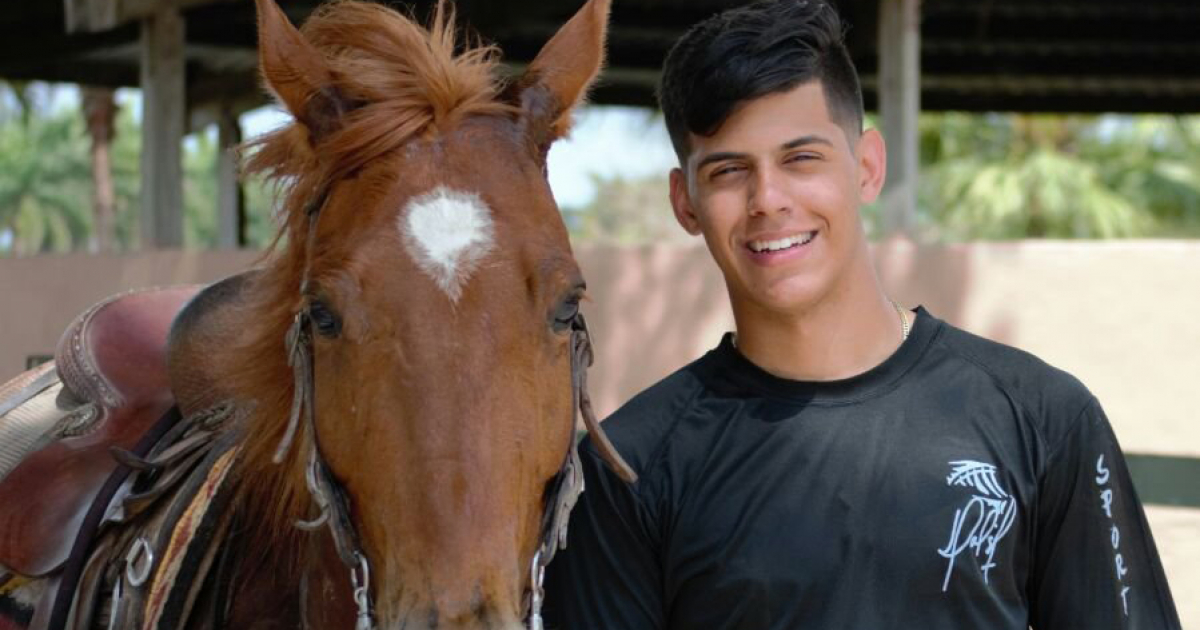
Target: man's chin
[787,298]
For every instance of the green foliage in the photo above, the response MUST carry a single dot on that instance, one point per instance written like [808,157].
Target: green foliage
[44,173]
[994,176]
[627,211]
[200,191]
[1008,176]
[1156,161]
[46,180]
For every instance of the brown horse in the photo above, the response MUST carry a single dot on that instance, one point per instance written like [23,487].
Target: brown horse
[404,368]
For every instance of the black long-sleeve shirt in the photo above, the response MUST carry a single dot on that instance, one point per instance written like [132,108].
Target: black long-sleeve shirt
[959,484]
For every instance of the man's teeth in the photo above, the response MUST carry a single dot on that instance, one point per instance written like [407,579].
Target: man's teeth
[783,243]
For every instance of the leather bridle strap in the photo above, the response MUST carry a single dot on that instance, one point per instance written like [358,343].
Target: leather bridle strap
[569,482]
[333,506]
[582,358]
[332,503]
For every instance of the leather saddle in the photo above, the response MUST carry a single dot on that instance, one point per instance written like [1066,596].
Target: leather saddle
[112,361]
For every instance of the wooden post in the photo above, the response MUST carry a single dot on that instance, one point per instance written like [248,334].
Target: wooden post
[899,107]
[229,189]
[162,129]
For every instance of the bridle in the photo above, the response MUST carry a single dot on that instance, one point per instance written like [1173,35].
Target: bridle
[333,504]
[568,484]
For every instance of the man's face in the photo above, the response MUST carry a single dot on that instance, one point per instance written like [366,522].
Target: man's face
[776,192]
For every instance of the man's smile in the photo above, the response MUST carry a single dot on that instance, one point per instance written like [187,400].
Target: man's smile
[761,245]
[779,247]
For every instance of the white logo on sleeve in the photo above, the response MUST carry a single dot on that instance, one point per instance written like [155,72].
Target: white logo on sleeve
[1106,503]
[981,524]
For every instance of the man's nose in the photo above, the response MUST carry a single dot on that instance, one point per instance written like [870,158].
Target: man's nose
[767,193]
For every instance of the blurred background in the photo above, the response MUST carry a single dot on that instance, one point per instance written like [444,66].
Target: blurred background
[1044,188]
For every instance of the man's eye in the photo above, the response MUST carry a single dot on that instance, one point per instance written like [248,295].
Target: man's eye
[724,171]
[801,157]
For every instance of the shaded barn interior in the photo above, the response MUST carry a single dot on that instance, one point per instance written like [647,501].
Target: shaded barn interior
[976,55]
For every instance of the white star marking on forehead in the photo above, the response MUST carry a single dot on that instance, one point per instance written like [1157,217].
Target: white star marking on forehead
[447,232]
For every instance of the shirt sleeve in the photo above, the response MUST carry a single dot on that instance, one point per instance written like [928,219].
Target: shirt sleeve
[1095,565]
[609,576]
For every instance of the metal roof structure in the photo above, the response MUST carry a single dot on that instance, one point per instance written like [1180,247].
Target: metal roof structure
[976,55]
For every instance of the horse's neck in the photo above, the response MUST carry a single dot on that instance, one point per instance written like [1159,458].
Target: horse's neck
[303,587]
[262,594]
[205,331]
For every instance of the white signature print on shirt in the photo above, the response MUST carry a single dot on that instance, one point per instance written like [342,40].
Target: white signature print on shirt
[981,524]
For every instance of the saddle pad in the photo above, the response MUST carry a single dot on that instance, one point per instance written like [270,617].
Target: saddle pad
[18,598]
[26,384]
[192,545]
[24,426]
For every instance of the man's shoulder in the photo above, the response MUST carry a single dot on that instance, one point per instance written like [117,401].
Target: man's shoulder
[1052,396]
[640,427]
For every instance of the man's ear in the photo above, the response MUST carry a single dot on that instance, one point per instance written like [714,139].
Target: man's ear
[681,203]
[297,73]
[558,78]
[872,165]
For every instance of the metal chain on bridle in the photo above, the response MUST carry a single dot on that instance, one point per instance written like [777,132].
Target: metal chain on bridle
[333,504]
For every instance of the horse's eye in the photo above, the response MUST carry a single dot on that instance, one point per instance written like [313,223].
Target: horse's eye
[324,319]
[565,314]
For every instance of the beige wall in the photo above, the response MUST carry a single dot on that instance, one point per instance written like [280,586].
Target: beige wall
[1122,316]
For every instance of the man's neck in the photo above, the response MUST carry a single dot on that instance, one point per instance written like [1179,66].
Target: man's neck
[841,336]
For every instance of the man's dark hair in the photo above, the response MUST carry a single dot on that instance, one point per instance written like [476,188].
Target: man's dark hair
[752,51]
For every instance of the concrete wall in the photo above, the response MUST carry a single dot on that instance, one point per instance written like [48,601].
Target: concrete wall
[1122,316]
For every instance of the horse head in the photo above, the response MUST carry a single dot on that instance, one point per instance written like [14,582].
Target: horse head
[427,290]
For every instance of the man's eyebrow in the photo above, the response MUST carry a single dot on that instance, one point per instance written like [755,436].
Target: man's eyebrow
[806,140]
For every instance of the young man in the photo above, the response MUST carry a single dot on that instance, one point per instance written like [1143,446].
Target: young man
[839,462]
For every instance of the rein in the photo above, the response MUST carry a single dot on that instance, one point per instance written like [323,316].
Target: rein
[333,503]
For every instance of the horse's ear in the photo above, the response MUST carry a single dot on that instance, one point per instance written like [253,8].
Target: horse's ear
[297,72]
[560,75]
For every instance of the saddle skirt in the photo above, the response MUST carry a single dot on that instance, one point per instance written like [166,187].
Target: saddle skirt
[107,385]
[104,535]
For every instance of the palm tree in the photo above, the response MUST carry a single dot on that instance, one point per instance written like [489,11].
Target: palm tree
[42,170]
[100,111]
[1155,160]
[1018,176]
[1002,176]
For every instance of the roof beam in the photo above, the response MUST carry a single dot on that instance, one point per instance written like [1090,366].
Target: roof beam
[90,16]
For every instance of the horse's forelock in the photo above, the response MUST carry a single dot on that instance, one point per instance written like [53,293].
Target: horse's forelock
[399,79]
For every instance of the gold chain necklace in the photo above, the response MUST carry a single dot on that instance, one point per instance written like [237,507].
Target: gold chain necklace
[904,325]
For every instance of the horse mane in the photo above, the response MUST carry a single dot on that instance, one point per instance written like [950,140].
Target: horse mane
[401,80]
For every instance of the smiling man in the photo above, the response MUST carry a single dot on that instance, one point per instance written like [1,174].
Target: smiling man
[839,462]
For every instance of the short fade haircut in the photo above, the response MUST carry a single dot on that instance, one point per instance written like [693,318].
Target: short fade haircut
[742,54]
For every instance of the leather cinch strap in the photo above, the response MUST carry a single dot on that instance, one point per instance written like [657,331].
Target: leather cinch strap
[87,533]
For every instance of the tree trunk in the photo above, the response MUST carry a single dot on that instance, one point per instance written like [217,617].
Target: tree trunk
[100,111]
